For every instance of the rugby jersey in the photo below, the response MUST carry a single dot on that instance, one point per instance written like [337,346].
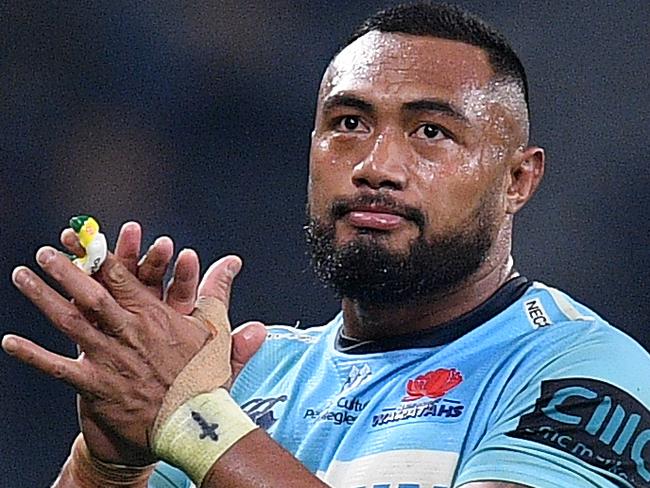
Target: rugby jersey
[531,387]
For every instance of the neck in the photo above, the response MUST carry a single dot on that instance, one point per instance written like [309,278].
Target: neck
[367,321]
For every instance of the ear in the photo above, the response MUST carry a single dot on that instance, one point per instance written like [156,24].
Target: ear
[525,176]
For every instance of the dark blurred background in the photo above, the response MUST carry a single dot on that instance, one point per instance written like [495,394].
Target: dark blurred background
[194,119]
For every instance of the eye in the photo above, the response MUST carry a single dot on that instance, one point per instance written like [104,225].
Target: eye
[429,131]
[349,123]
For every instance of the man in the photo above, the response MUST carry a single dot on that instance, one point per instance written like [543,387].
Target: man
[444,368]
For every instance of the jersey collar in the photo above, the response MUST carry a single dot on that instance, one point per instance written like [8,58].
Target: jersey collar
[442,334]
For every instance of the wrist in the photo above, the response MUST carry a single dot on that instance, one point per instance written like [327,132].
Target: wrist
[83,470]
[200,431]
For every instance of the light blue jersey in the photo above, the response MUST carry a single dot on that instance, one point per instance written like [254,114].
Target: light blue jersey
[531,388]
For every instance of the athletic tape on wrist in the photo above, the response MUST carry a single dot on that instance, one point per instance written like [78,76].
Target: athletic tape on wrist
[208,370]
[84,470]
[200,431]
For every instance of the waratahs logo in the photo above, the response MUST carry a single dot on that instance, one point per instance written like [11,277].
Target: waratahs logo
[433,384]
[424,399]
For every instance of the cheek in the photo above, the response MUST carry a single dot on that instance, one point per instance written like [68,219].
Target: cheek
[452,186]
[336,150]
[448,170]
[328,176]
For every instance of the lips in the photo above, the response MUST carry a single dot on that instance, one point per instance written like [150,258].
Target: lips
[374,218]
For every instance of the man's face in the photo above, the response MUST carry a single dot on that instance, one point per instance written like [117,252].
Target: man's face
[407,166]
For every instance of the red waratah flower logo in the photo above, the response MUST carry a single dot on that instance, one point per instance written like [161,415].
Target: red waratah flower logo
[433,384]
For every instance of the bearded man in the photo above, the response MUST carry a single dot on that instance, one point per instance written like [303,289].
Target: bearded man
[444,368]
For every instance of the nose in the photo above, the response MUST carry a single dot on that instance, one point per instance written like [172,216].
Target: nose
[384,167]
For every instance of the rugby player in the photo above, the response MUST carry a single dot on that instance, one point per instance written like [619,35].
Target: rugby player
[445,366]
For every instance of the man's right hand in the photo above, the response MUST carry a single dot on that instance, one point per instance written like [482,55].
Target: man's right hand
[180,293]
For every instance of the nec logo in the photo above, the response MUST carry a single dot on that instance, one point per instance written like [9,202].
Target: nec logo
[594,421]
[536,313]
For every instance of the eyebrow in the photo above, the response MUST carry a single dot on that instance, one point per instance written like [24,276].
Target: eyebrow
[343,100]
[436,105]
[425,105]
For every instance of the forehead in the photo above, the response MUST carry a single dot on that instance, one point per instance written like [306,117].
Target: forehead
[398,64]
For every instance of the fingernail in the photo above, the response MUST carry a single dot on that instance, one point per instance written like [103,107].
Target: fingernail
[130,225]
[45,255]
[19,276]
[9,344]
[160,240]
[248,333]
[233,268]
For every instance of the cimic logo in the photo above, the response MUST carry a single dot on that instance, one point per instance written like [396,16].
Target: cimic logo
[594,421]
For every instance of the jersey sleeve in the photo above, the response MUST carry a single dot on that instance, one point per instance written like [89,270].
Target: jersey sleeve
[579,417]
[166,476]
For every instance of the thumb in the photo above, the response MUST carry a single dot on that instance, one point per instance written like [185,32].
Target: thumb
[218,279]
[246,340]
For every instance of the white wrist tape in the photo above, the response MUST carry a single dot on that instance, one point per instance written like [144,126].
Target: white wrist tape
[200,431]
[208,370]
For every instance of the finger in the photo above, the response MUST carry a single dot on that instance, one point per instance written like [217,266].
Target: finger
[70,241]
[181,292]
[218,279]
[246,341]
[87,293]
[153,265]
[63,314]
[51,364]
[127,247]
[124,287]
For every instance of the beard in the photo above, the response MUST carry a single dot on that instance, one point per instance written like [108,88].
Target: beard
[367,271]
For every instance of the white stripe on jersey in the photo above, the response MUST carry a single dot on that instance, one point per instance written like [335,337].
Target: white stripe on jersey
[563,304]
[418,467]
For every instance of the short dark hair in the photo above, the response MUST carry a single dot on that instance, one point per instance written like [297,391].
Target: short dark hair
[449,22]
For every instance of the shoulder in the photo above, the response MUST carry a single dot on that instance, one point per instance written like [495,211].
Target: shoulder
[567,328]
[561,338]
[573,403]
[293,333]
[544,305]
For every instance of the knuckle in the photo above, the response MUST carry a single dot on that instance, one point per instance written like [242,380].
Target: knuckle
[98,303]
[150,276]
[70,320]
[154,261]
[117,272]
[181,292]
[59,371]
[28,354]
[222,290]
[184,297]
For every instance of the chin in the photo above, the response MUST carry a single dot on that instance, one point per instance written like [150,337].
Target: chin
[394,240]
